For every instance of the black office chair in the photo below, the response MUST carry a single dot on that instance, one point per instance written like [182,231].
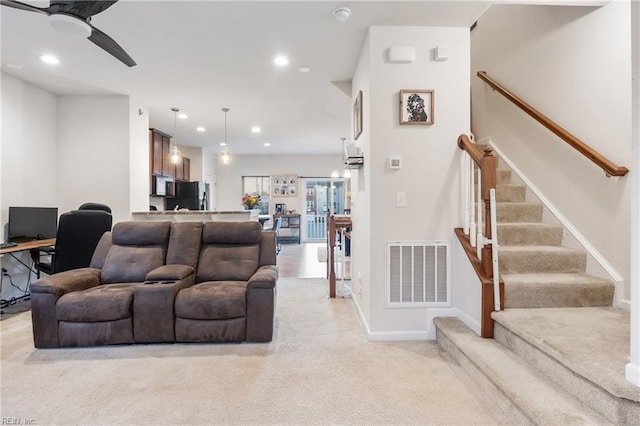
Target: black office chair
[78,234]
[95,206]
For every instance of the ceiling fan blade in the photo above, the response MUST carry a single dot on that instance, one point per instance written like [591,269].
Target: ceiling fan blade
[24,6]
[81,9]
[105,42]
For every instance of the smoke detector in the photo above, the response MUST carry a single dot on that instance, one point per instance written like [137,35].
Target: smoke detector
[342,14]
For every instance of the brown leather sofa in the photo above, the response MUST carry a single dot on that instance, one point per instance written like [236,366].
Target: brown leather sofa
[152,282]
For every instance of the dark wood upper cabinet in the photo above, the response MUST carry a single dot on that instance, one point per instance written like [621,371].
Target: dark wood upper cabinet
[160,146]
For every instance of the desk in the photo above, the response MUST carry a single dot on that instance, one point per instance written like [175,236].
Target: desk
[24,247]
[28,246]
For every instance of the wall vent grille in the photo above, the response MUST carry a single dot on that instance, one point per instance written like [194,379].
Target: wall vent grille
[418,274]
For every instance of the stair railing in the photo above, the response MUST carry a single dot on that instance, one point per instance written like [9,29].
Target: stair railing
[479,236]
[609,167]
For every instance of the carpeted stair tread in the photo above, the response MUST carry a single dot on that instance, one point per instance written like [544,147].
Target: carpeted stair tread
[504,375]
[534,233]
[503,176]
[508,193]
[540,259]
[519,212]
[583,349]
[556,290]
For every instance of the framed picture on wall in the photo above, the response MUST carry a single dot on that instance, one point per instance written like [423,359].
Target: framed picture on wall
[357,116]
[284,186]
[416,107]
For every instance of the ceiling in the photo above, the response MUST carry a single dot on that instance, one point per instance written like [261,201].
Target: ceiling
[201,56]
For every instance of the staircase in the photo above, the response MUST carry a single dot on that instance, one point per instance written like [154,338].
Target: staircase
[559,348]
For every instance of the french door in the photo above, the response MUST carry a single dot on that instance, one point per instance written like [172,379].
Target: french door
[319,196]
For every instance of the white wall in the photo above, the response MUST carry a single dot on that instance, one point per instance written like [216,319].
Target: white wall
[229,176]
[430,159]
[93,153]
[138,156]
[28,160]
[573,64]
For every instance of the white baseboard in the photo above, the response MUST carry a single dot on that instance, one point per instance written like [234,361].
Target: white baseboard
[469,321]
[396,336]
[614,275]
[632,373]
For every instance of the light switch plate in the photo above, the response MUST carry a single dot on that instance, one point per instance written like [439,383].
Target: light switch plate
[401,199]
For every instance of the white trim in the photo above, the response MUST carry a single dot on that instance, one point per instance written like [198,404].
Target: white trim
[625,304]
[394,336]
[469,321]
[632,373]
[582,240]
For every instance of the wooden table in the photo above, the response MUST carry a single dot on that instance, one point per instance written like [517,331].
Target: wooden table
[336,223]
[29,245]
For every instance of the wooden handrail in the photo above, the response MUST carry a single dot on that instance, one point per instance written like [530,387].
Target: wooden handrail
[610,168]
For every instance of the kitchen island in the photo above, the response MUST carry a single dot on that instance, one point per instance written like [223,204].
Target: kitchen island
[198,215]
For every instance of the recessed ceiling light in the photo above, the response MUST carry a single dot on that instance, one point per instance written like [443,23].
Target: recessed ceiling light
[223,144]
[183,116]
[267,144]
[304,69]
[201,129]
[281,61]
[256,129]
[50,59]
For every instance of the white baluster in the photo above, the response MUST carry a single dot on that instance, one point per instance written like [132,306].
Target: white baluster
[472,220]
[465,190]
[480,237]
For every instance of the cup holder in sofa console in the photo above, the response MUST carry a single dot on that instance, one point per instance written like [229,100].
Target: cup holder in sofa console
[167,282]
[150,282]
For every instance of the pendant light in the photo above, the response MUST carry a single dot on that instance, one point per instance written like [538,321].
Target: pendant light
[175,154]
[225,154]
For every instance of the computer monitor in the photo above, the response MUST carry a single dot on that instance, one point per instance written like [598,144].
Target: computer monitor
[32,223]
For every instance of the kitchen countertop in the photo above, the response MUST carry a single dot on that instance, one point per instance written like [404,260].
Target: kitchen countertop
[194,212]
[197,215]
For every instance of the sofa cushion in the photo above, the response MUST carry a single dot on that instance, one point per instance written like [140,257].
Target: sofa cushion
[141,233]
[212,301]
[102,303]
[184,243]
[231,233]
[226,262]
[127,264]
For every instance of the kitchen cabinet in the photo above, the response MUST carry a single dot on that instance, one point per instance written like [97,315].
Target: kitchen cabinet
[183,169]
[159,146]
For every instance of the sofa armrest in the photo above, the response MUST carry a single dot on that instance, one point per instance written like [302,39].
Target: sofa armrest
[153,312]
[66,282]
[265,277]
[45,293]
[170,272]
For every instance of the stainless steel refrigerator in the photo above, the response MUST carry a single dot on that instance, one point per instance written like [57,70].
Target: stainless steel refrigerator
[189,195]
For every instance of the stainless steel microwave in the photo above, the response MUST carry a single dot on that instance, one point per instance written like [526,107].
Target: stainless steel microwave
[162,186]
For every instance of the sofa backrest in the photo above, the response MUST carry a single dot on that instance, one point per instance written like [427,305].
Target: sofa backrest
[184,243]
[230,251]
[137,248]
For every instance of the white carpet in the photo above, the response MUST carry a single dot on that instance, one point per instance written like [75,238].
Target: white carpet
[318,370]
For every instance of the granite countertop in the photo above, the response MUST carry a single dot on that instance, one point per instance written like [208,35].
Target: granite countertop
[187,212]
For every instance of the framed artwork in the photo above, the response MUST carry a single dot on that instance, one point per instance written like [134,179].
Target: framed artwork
[284,186]
[357,116]
[416,107]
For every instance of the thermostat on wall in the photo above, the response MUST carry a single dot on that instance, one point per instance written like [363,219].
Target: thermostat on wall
[394,162]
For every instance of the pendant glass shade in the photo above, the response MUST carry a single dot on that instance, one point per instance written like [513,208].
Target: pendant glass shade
[175,155]
[225,154]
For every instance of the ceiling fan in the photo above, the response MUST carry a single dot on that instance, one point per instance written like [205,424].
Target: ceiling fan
[75,17]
